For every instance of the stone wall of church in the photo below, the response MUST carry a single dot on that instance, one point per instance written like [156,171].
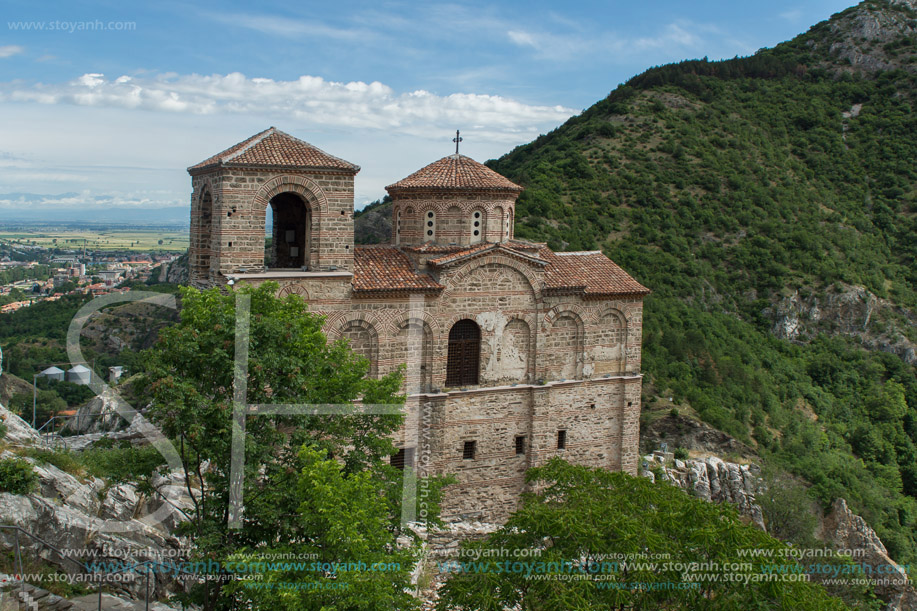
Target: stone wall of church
[455,218]
[529,343]
[524,338]
[599,420]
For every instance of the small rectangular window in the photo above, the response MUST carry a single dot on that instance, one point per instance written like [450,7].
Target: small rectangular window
[520,444]
[404,458]
[468,451]
[561,440]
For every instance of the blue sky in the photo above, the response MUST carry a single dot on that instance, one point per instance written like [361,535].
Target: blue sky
[108,102]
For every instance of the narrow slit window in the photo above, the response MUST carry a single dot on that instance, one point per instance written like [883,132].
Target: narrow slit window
[520,444]
[561,440]
[469,450]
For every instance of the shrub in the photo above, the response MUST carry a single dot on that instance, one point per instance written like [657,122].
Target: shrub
[123,464]
[681,454]
[17,476]
[65,461]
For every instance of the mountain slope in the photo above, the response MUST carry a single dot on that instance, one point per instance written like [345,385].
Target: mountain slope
[765,198]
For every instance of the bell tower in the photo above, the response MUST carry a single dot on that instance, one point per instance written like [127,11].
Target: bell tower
[308,192]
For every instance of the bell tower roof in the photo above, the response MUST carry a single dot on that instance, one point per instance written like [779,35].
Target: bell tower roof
[273,148]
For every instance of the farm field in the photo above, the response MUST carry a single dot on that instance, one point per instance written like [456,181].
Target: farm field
[141,240]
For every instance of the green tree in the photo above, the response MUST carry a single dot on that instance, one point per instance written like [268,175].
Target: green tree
[582,516]
[358,562]
[190,377]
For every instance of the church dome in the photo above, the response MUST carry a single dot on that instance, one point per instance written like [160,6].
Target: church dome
[454,173]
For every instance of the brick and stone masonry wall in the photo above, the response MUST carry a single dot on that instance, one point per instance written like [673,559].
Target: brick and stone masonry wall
[240,200]
[526,338]
[453,217]
[599,418]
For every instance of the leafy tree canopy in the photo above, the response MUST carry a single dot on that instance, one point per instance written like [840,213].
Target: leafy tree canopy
[612,541]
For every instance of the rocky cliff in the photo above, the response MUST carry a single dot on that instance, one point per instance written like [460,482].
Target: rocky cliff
[718,481]
[711,479]
[847,310]
[90,519]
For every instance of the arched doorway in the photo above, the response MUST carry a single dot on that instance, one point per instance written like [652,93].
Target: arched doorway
[464,355]
[290,227]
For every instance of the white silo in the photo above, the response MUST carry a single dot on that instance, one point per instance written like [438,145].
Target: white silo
[80,375]
[53,373]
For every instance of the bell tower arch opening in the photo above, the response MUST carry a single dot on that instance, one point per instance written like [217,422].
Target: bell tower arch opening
[289,218]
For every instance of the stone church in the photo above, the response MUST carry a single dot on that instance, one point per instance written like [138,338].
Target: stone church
[514,353]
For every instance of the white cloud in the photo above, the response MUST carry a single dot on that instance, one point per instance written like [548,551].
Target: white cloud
[43,176]
[80,200]
[309,100]
[291,27]
[672,39]
[523,39]
[673,34]
[10,50]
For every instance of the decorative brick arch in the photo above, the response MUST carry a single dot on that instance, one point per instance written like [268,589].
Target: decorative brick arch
[308,189]
[203,231]
[405,317]
[564,352]
[316,210]
[420,378]
[611,340]
[531,339]
[496,259]
[612,309]
[346,318]
[363,337]
[293,289]
[564,309]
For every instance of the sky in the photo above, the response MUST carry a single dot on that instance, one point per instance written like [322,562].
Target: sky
[104,104]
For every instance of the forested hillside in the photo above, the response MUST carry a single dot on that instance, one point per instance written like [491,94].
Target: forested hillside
[761,199]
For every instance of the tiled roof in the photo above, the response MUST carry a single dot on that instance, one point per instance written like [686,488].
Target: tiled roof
[385,269]
[590,274]
[477,249]
[273,147]
[456,172]
[433,248]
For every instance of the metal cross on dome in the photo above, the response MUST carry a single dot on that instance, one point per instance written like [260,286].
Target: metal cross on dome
[457,139]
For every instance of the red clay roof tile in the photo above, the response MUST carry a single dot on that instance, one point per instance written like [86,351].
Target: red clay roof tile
[591,274]
[273,147]
[383,269]
[455,172]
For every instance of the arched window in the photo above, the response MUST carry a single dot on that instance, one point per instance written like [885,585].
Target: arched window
[464,354]
[476,231]
[429,226]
